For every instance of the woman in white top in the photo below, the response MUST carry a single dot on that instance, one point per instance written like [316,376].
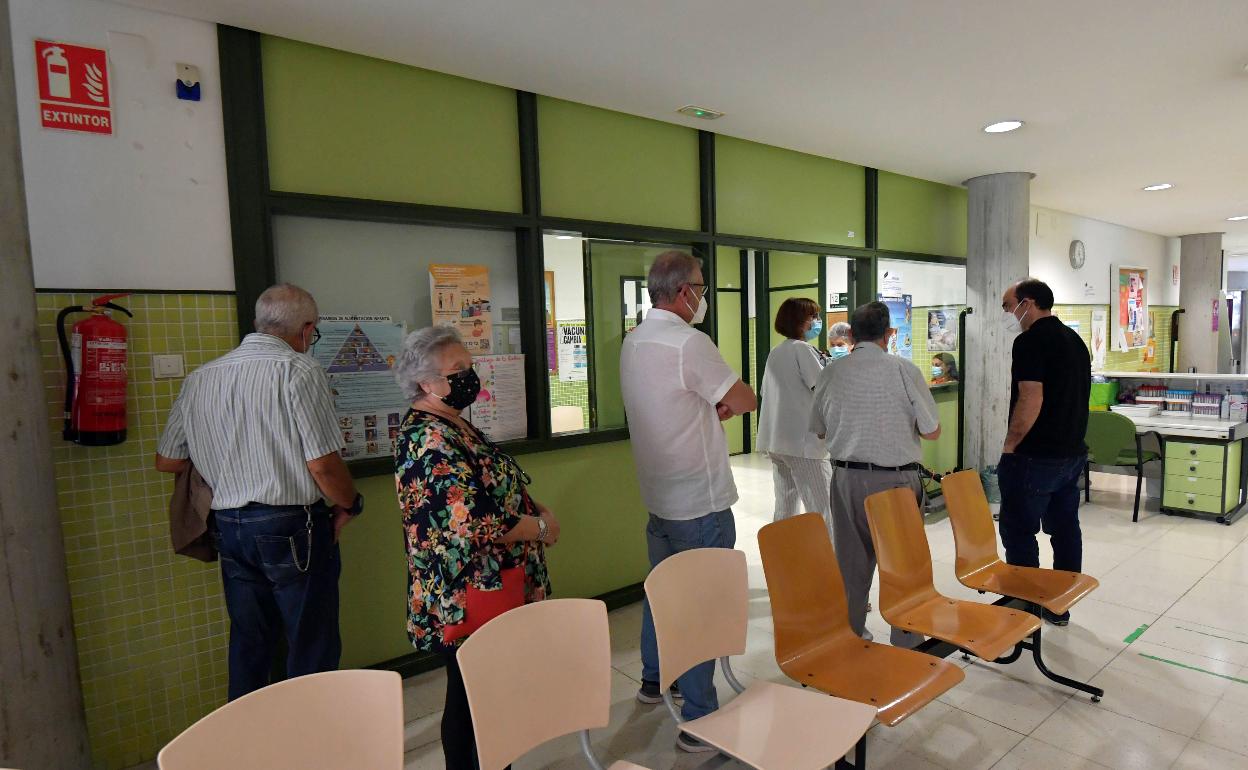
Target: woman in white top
[800,466]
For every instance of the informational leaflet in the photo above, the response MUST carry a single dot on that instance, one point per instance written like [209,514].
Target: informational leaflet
[500,411]
[459,295]
[901,319]
[1100,338]
[358,354]
[942,330]
[573,353]
[1132,315]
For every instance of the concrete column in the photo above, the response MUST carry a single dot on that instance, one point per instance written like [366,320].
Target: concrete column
[1200,282]
[998,216]
[42,724]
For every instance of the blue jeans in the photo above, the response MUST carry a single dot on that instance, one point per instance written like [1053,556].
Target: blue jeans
[666,538]
[279,569]
[1041,493]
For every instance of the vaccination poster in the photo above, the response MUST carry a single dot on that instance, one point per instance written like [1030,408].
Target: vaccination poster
[942,330]
[573,353]
[358,353]
[900,312]
[1131,314]
[459,295]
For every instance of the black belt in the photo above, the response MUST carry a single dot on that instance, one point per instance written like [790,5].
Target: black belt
[855,466]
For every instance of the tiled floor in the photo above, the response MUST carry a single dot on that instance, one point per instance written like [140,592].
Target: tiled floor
[1176,696]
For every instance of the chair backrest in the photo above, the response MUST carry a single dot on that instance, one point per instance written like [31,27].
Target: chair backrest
[329,720]
[1108,434]
[974,536]
[900,549]
[808,604]
[565,419]
[699,600]
[535,673]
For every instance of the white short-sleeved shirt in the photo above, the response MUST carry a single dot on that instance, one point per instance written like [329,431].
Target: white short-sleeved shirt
[789,380]
[671,376]
[251,420]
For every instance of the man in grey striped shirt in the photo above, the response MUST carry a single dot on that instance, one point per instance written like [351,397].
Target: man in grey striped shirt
[259,425]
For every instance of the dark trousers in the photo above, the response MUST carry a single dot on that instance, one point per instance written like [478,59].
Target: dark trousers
[1041,493]
[459,742]
[279,569]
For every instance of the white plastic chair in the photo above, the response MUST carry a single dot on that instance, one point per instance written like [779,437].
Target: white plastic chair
[328,721]
[566,419]
[536,673]
[699,600]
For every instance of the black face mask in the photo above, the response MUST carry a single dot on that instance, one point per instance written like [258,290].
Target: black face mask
[465,386]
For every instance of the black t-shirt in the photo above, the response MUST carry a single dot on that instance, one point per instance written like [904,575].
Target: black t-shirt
[1053,355]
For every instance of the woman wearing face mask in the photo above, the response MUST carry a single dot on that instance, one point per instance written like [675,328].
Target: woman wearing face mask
[944,369]
[475,538]
[838,340]
[799,460]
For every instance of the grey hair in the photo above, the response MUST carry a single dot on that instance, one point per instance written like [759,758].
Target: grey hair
[283,309]
[671,270]
[420,359]
[870,322]
[839,329]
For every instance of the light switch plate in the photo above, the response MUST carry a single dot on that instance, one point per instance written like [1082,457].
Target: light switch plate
[167,366]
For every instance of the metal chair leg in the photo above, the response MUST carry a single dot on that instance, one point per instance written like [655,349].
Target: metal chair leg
[1035,645]
[1139,482]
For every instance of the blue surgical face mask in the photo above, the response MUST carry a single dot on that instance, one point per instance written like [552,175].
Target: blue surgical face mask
[814,330]
[838,351]
[937,372]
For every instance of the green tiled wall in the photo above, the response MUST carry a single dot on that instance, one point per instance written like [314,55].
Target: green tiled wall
[1132,360]
[151,626]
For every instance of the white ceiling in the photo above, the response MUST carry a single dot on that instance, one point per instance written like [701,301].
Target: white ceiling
[1117,94]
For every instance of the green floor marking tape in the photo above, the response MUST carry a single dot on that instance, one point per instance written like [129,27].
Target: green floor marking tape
[1215,636]
[1136,634]
[1193,668]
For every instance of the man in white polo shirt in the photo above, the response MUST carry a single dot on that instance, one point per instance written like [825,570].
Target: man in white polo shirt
[677,388]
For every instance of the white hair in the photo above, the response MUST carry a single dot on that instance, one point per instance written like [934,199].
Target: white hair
[421,359]
[283,309]
[671,270]
[839,329]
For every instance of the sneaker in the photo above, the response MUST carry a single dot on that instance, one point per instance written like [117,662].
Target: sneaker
[686,742]
[1055,619]
[649,693]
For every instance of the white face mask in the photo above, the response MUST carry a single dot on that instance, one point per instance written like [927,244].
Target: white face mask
[1012,323]
[700,313]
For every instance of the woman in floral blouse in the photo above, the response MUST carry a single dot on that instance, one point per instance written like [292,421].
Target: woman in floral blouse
[467,516]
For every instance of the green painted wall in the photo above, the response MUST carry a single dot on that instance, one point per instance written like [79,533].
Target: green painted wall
[733,350]
[609,166]
[792,268]
[921,216]
[354,126]
[771,192]
[374,575]
[941,455]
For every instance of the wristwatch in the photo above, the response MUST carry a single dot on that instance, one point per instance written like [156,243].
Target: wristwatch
[541,529]
[357,505]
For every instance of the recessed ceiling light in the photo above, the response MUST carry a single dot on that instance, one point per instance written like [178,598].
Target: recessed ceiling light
[1156,187]
[1003,126]
[705,113]
[1239,218]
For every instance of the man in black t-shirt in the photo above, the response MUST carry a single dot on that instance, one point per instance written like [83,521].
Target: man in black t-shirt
[1044,453]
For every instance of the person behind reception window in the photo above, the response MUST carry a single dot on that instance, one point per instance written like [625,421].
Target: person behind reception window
[259,425]
[470,526]
[801,474]
[676,388]
[839,340]
[1044,453]
[944,369]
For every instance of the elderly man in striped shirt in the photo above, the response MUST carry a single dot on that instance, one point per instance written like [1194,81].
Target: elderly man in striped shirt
[259,425]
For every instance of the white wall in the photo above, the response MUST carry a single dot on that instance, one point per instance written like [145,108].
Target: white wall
[928,283]
[1106,245]
[147,207]
[565,258]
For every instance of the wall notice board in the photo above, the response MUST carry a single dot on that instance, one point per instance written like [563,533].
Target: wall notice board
[1129,307]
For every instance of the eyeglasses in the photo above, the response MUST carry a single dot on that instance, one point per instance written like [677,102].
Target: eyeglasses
[316,335]
[701,290]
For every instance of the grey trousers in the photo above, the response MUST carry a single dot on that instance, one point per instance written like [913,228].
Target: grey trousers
[801,480]
[851,534]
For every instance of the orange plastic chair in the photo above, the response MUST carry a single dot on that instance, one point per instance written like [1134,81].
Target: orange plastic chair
[699,600]
[815,645]
[321,721]
[908,598]
[980,567]
[563,687]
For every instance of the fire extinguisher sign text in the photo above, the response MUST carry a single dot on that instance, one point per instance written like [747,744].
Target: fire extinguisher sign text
[73,87]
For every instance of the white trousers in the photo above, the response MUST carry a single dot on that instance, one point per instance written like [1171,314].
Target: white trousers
[802,486]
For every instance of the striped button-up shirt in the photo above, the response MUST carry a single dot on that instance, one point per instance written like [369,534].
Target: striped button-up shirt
[251,420]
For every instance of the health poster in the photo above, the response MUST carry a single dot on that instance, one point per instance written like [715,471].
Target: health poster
[358,354]
[573,353]
[900,313]
[1100,339]
[459,295]
[942,330]
[1131,318]
[500,410]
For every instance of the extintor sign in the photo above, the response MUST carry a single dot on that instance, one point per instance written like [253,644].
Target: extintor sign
[73,87]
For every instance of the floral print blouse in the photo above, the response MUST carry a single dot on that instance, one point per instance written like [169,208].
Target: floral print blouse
[458,493]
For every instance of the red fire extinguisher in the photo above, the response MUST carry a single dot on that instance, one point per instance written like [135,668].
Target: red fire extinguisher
[95,381]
